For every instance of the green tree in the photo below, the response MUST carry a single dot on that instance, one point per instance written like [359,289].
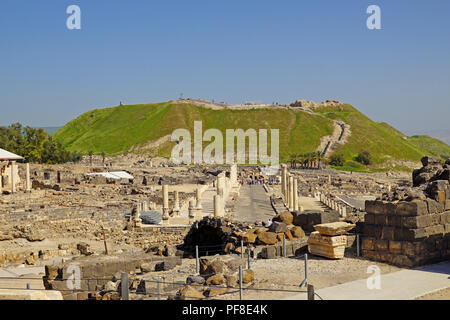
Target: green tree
[364,157]
[33,144]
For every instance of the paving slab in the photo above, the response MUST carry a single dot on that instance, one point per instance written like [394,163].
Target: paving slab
[401,285]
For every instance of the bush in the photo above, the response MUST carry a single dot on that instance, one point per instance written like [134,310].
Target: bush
[337,160]
[364,157]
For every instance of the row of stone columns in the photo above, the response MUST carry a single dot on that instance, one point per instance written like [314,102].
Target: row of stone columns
[332,204]
[289,189]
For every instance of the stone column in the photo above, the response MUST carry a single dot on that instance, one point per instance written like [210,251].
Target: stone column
[286,196]
[176,208]
[291,193]
[344,211]
[199,199]
[1,179]
[13,178]
[165,202]
[284,181]
[217,206]
[137,217]
[329,179]
[144,205]
[28,181]
[220,186]
[233,175]
[295,195]
[191,208]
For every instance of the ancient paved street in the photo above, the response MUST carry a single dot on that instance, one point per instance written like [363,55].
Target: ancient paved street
[253,205]
[354,201]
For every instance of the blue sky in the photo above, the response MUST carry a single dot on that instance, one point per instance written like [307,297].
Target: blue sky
[235,51]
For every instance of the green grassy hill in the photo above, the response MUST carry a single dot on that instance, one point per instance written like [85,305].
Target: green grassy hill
[122,128]
[131,128]
[431,146]
[380,139]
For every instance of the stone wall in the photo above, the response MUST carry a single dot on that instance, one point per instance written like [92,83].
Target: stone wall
[96,271]
[407,233]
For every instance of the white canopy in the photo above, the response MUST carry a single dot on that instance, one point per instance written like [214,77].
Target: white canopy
[6,155]
[113,175]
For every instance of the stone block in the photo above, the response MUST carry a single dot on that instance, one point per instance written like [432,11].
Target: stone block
[388,233]
[402,261]
[369,218]
[395,247]
[381,245]
[372,255]
[269,252]
[410,234]
[368,244]
[444,218]
[381,220]
[278,227]
[441,197]
[447,204]
[394,221]
[332,247]
[351,240]
[334,228]
[413,208]
[375,207]
[165,265]
[373,231]
[416,222]
[326,251]
[386,257]
[434,230]
[309,218]
[299,248]
[434,207]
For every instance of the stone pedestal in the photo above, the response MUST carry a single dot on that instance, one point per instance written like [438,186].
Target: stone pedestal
[332,247]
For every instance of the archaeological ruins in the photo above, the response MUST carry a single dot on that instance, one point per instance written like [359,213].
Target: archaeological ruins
[204,231]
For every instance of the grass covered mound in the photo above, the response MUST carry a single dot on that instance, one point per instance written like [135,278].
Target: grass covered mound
[136,127]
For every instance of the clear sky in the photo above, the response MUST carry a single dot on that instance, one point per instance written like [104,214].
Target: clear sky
[140,51]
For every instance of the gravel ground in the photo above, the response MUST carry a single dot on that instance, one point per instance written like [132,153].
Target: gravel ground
[286,274]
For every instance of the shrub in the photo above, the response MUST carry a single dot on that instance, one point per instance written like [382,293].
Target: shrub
[364,157]
[337,160]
